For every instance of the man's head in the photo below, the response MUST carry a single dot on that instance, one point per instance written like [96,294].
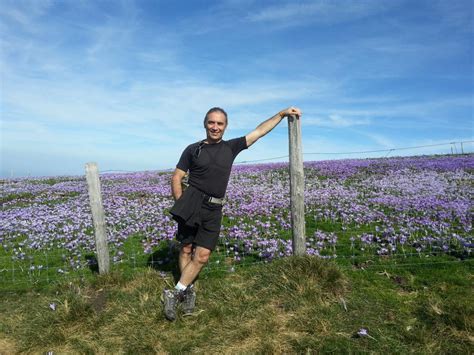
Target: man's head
[215,123]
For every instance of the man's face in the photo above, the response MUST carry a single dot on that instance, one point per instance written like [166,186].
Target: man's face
[215,126]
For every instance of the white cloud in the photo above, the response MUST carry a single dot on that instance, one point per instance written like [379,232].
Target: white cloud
[334,121]
[24,13]
[327,12]
[381,140]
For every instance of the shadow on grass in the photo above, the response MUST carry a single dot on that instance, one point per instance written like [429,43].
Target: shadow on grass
[92,263]
[165,258]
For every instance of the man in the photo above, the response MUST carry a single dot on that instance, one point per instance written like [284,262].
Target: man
[198,210]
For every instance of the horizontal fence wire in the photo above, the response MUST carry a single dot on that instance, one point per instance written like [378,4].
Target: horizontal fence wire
[17,275]
[357,263]
[453,144]
[366,267]
[388,151]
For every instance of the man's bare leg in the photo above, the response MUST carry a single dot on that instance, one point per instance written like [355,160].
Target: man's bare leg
[194,267]
[185,256]
[190,270]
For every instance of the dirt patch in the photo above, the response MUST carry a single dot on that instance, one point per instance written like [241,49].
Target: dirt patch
[98,301]
[7,346]
[402,282]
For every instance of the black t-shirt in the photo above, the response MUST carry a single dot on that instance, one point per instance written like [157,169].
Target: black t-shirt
[210,171]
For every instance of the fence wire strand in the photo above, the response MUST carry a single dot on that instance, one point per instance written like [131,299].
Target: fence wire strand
[388,151]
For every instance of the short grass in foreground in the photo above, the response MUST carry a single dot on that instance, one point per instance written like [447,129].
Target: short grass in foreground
[292,305]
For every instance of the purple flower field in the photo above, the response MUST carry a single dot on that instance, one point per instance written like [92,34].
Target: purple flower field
[370,207]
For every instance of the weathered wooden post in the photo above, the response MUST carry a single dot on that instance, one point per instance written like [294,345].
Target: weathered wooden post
[98,217]
[296,186]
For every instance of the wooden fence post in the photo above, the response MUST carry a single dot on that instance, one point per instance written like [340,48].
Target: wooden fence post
[296,186]
[98,217]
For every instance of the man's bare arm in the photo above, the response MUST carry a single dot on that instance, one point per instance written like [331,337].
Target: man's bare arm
[266,126]
[176,180]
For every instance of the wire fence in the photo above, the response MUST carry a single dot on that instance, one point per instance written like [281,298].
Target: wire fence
[456,147]
[28,258]
[22,277]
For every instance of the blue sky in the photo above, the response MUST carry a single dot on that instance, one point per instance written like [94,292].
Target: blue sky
[126,83]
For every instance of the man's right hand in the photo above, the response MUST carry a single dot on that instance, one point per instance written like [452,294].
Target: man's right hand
[176,181]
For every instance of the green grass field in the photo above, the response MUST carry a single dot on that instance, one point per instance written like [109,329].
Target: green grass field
[292,305]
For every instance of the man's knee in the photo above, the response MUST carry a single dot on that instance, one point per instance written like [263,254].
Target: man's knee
[202,255]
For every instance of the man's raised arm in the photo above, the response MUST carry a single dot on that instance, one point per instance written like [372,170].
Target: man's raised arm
[266,126]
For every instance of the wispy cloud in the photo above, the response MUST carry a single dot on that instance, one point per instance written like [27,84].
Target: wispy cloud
[326,12]
[337,121]
[380,140]
[24,13]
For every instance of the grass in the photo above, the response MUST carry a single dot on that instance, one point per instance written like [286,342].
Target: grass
[292,305]
[14,197]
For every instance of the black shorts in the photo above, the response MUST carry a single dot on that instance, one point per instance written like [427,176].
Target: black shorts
[206,234]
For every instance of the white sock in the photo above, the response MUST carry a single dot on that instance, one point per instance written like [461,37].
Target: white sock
[180,287]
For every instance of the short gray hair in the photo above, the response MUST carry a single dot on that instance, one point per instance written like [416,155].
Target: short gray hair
[215,109]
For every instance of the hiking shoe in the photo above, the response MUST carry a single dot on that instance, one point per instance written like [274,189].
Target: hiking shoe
[171,298]
[189,301]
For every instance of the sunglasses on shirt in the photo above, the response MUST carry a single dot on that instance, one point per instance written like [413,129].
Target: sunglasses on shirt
[197,152]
